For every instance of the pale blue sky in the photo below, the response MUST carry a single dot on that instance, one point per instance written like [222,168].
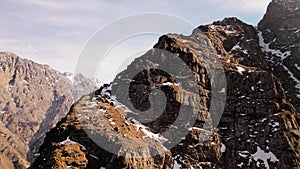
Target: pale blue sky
[53,32]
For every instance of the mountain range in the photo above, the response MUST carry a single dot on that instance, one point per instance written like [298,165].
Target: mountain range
[257,127]
[33,99]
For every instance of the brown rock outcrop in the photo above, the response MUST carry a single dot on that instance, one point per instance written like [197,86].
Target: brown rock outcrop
[33,99]
[259,127]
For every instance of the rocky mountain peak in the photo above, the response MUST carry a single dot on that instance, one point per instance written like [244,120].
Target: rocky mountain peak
[279,34]
[33,99]
[282,19]
[82,85]
[259,127]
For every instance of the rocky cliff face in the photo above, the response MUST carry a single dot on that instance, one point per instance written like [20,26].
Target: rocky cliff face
[259,127]
[33,99]
[279,35]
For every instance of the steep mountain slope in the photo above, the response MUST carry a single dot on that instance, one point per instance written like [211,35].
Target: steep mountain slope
[256,114]
[279,35]
[12,149]
[33,99]
[68,146]
[259,127]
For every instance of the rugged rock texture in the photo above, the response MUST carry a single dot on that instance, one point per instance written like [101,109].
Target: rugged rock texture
[259,127]
[13,150]
[279,32]
[256,117]
[68,146]
[33,99]
[200,148]
[256,103]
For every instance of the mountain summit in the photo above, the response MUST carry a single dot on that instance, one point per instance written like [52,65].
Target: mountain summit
[33,99]
[279,34]
[259,127]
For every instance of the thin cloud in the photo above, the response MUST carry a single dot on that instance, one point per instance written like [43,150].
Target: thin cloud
[54,32]
[42,3]
[241,5]
[18,47]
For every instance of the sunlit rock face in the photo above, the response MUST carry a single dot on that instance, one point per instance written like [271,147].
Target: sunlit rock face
[33,99]
[258,128]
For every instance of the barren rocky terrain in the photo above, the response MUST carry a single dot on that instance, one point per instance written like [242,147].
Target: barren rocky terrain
[248,118]
[259,127]
[33,99]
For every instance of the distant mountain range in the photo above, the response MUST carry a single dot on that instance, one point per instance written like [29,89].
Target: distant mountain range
[33,99]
